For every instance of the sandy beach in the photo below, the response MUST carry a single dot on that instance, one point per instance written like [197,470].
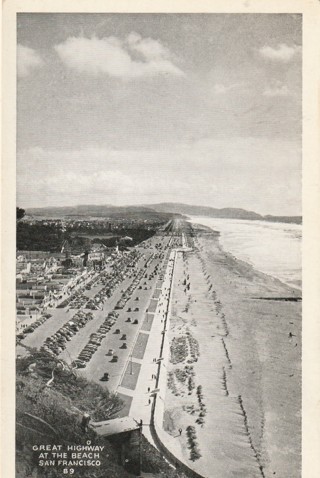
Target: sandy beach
[235,367]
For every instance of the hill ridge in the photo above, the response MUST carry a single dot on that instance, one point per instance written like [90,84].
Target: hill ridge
[164,207]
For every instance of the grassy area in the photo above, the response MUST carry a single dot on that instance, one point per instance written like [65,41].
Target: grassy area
[52,415]
[131,375]
[140,346]
[147,323]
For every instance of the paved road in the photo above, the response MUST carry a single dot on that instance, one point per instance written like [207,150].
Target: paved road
[100,362]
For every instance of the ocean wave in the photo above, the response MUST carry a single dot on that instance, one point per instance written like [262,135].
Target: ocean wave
[272,248]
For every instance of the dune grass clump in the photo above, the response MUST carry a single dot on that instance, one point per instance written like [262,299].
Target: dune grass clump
[178,349]
[192,443]
[181,380]
[171,383]
[203,410]
[191,384]
[218,306]
[200,421]
[193,348]
[224,381]
[181,375]
[199,394]
[189,409]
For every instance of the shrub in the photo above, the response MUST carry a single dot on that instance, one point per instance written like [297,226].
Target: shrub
[192,443]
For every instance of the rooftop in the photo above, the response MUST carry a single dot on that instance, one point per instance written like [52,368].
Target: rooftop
[115,426]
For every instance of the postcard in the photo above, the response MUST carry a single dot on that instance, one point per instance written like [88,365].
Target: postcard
[160,260]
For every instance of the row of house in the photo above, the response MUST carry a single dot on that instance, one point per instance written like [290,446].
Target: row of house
[44,279]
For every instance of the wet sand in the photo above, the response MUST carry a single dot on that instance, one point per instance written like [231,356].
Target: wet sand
[239,349]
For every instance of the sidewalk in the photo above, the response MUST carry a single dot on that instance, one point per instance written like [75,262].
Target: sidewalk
[142,396]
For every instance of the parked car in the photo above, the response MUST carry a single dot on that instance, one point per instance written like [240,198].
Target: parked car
[79,363]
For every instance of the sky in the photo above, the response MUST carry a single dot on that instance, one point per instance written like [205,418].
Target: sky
[145,108]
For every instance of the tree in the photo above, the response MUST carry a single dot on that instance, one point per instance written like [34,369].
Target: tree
[20,213]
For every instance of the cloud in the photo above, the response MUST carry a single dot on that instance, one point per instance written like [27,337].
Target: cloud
[220,89]
[150,49]
[114,57]
[277,90]
[282,53]
[234,171]
[27,60]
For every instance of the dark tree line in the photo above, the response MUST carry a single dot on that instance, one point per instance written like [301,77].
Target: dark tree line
[50,237]
[20,213]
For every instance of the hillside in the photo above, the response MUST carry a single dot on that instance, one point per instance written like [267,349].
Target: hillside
[164,211]
[226,213]
[85,210]
[51,414]
[289,219]
[119,212]
[180,208]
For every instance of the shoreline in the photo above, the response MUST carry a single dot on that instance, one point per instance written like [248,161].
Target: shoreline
[295,282]
[252,388]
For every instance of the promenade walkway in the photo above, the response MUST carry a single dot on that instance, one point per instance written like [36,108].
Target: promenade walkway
[142,395]
[148,398]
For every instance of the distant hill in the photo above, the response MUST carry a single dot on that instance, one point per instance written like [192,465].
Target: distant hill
[227,213]
[125,212]
[180,208]
[86,210]
[152,211]
[289,219]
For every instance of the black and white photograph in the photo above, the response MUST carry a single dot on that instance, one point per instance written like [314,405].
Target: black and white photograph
[158,250]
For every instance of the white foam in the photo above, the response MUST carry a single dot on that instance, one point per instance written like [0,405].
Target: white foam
[273,248]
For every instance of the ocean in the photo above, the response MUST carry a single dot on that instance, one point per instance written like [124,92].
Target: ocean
[272,248]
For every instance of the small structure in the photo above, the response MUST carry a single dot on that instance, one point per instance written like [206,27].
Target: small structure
[125,433]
